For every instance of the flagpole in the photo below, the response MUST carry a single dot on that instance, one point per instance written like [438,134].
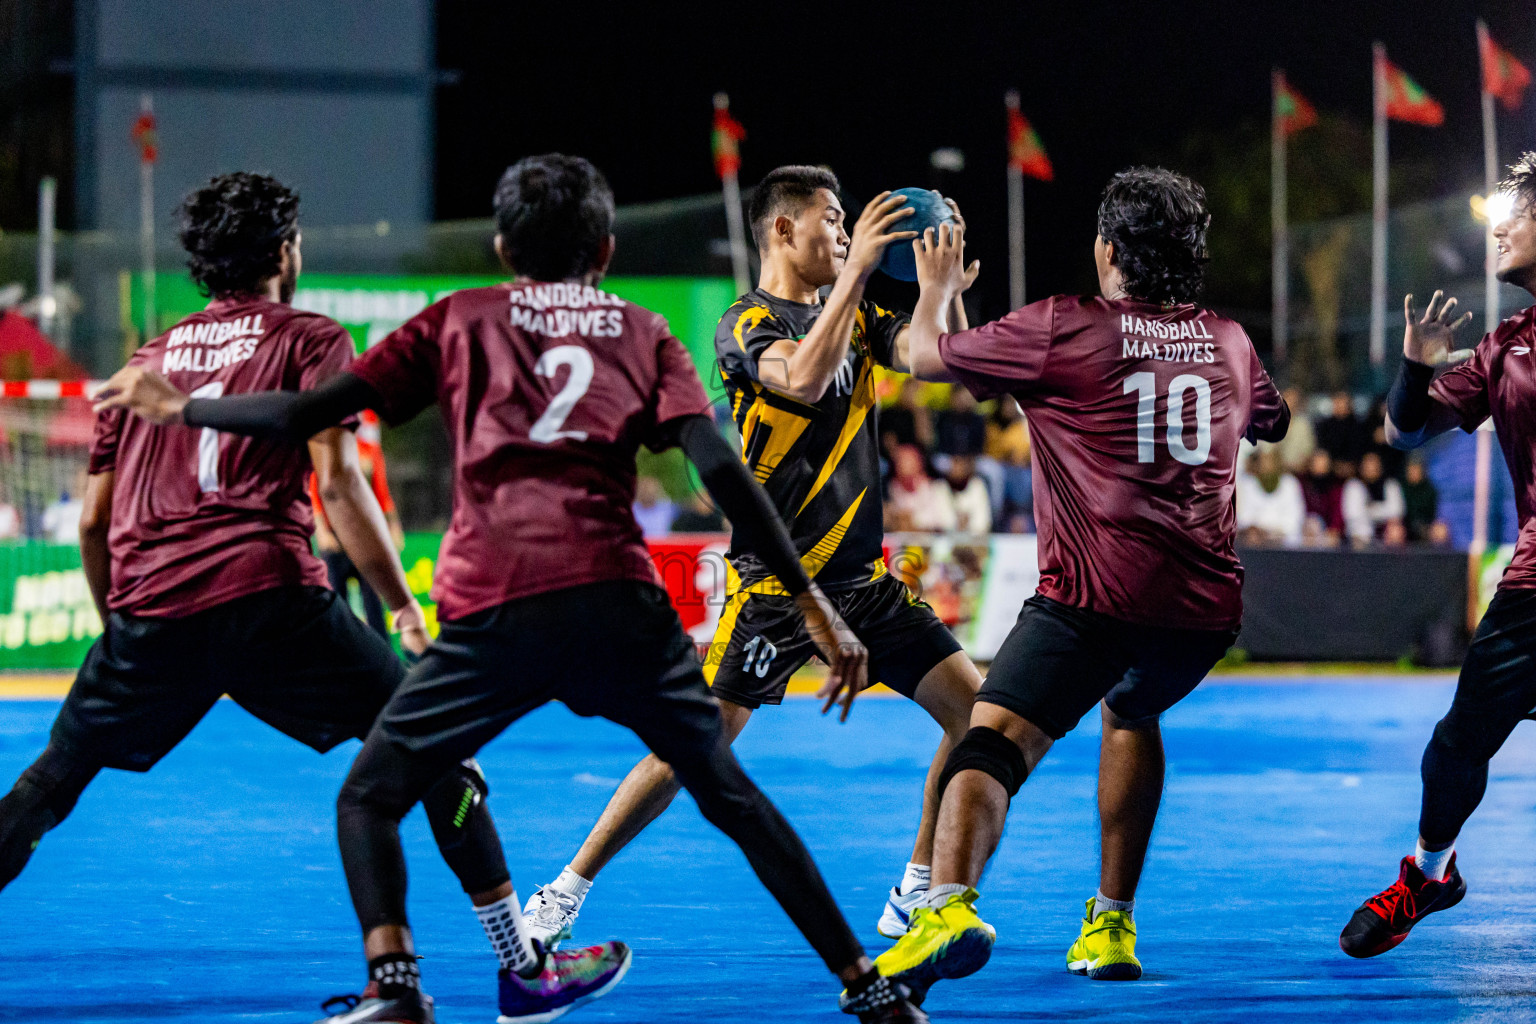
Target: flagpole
[1378,346]
[47,206]
[147,224]
[1483,465]
[1015,220]
[734,224]
[1279,228]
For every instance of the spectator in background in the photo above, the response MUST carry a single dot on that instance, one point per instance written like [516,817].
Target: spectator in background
[1383,496]
[1392,459]
[1358,528]
[907,421]
[10,519]
[1341,434]
[654,511]
[1421,506]
[1270,505]
[960,429]
[61,519]
[970,506]
[1296,448]
[1007,462]
[338,564]
[1323,494]
[915,501]
[699,516]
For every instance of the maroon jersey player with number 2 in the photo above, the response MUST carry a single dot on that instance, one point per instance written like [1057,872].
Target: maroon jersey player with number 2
[1136,401]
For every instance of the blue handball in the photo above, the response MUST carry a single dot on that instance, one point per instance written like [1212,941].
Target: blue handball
[932,211]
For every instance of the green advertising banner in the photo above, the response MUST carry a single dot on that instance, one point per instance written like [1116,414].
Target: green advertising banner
[372,305]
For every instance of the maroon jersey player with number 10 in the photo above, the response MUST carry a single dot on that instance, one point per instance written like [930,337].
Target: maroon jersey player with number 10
[1136,400]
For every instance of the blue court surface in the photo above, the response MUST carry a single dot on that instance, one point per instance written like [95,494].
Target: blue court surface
[210,890]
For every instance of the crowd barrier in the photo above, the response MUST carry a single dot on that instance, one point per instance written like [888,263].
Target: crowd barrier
[1302,605]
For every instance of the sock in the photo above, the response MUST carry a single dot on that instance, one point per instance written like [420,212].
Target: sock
[939,895]
[858,986]
[503,924]
[918,876]
[1102,903]
[396,974]
[1435,864]
[573,885]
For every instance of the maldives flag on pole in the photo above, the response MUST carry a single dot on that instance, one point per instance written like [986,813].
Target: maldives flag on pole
[1025,153]
[1292,109]
[1503,76]
[1406,100]
[728,132]
[144,134]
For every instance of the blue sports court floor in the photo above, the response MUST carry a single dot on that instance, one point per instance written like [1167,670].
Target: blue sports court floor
[210,889]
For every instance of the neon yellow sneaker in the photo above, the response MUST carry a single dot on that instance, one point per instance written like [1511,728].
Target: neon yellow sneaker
[948,942]
[1105,949]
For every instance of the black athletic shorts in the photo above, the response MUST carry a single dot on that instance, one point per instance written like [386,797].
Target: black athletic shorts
[1496,689]
[295,657]
[614,649]
[1059,661]
[761,640]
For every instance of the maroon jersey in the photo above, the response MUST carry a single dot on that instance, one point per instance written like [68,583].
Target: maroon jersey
[548,390]
[1500,381]
[200,517]
[1135,411]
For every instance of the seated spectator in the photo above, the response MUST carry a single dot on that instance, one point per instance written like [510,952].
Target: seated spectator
[907,421]
[1341,434]
[1296,448]
[968,496]
[916,502]
[61,519]
[1356,501]
[699,516]
[1006,467]
[1270,506]
[960,429]
[654,511]
[10,519]
[1383,495]
[1421,506]
[1323,494]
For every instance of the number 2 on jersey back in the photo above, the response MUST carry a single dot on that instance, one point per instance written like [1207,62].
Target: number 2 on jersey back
[546,429]
[1145,386]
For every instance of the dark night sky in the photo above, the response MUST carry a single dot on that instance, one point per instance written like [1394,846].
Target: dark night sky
[871,90]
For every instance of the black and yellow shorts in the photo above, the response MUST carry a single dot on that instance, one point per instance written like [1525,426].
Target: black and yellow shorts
[761,640]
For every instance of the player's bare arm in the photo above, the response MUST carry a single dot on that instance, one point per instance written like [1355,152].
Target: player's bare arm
[804,370]
[744,502]
[363,531]
[1429,341]
[942,277]
[957,321]
[95,521]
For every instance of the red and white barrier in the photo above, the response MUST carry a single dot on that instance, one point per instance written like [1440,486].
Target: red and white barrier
[49,388]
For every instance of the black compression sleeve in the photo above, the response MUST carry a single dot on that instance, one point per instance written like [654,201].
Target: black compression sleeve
[294,416]
[743,500]
[1408,403]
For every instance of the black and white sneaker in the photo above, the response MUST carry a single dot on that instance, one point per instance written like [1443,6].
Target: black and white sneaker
[415,1008]
[884,1002]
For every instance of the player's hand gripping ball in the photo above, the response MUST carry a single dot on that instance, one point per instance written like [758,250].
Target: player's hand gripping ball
[930,211]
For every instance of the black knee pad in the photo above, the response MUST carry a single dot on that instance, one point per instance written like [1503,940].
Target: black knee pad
[42,797]
[987,750]
[451,803]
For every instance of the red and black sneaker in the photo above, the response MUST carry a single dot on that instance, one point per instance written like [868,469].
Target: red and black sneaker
[1385,919]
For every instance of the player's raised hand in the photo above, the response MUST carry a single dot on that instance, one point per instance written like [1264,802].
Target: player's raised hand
[878,227]
[974,269]
[142,392]
[940,256]
[1430,340]
[844,653]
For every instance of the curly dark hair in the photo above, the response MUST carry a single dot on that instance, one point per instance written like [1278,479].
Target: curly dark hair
[1156,219]
[553,213]
[1520,182]
[785,190]
[233,229]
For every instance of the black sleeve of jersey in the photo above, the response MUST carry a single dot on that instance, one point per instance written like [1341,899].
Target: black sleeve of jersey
[743,334]
[743,500]
[293,416]
[1408,403]
[881,327]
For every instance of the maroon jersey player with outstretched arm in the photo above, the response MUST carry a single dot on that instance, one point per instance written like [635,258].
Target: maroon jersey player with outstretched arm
[195,545]
[545,587]
[1136,400]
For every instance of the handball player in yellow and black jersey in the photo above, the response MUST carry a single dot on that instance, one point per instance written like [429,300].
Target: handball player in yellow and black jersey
[799,373]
